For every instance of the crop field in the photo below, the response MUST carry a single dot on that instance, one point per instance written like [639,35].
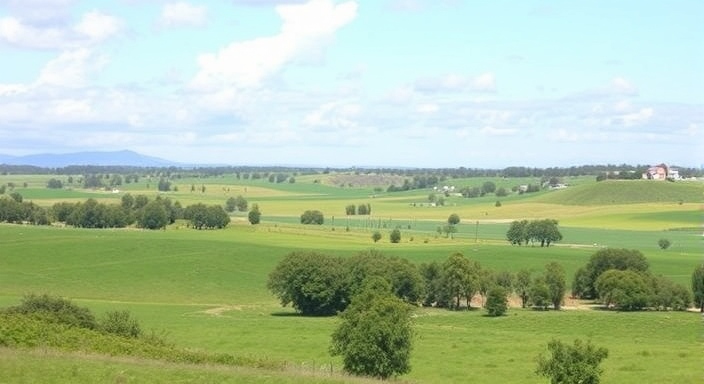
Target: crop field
[206,290]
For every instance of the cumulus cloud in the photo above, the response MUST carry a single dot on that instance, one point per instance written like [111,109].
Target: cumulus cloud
[248,63]
[183,14]
[71,68]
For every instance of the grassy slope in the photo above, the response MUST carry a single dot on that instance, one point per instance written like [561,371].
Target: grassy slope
[206,289]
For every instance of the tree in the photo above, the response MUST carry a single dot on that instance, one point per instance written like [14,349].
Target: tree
[312,217]
[664,244]
[572,364]
[375,335]
[241,203]
[313,283]
[376,236]
[501,192]
[460,280]
[496,301]
[488,187]
[405,280]
[625,290]
[153,216]
[230,204]
[603,260]
[522,286]
[395,236]
[669,295]
[516,233]
[698,287]
[254,215]
[453,219]
[556,283]
[539,293]
[164,185]
[350,210]
[54,184]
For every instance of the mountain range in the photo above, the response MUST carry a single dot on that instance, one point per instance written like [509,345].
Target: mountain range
[114,158]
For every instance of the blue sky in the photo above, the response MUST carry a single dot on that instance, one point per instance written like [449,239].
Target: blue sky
[419,83]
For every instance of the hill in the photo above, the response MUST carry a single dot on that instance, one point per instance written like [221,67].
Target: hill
[113,158]
[627,192]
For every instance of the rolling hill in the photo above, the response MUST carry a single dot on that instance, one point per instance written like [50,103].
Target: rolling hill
[627,192]
[113,158]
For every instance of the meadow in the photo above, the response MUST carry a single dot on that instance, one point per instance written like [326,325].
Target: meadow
[206,290]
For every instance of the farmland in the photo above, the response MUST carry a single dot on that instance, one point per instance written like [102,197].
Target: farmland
[206,290]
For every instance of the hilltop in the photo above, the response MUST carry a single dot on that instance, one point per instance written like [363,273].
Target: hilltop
[610,192]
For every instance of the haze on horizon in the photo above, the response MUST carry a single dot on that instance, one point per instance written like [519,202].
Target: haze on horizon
[414,83]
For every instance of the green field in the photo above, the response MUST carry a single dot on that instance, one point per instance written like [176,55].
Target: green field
[206,290]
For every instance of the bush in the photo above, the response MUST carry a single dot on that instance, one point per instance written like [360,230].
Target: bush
[395,236]
[312,217]
[376,236]
[120,323]
[572,364]
[56,310]
[496,301]
[664,243]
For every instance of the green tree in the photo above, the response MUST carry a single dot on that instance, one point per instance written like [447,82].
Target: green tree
[556,283]
[403,276]
[313,283]
[698,287]
[522,286]
[54,184]
[664,243]
[572,364]
[241,203]
[453,219]
[603,260]
[120,323]
[254,215]
[350,210]
[516,233]
[312,217]
[375,334]
[153,216]
[625,290]
[395,236]
[488,187]
[539,293]
[496,301]
[669,295]
[460,280]
[376,236]
[230,204]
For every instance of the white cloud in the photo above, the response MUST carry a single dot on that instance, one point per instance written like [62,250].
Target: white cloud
[637,118]
[97,26]
[71,68]
[428,108]
[183,14]
[623,86]
[452,82]
[94,27]
[248,63]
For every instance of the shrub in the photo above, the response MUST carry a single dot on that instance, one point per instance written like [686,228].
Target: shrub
[664,243]
[496,301]
[395,236]
[120,323]
[55,310]
[376,236]
[312,217]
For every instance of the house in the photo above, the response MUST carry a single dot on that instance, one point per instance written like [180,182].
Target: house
[656,172]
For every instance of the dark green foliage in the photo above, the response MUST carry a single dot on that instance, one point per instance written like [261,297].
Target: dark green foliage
[496,301]
[241,203]
[404,278]
[203,216]
[603,260]
[488,187]
[544,232]
[313,283]
[230,204]
[16,196]
[556,283]
[539,293]
[164,185]
[395,236]
[13,211]
[522,286]
[376,236]
[120,323]
[459,280]
[453,219]
[669,295]
[312,217]
[54,184]
[364,209]
[54,309]
[375,335]
[432,278]
[664,243]
[625,290]
[350,210]
[501,192]
[572,364]
[153,216]
[698,287]
[254,216]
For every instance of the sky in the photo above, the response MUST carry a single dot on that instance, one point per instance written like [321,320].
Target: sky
[398,83]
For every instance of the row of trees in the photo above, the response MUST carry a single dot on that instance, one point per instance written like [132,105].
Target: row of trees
[543,231]
[361,209]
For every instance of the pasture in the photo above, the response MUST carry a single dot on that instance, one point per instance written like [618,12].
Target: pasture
[206,290]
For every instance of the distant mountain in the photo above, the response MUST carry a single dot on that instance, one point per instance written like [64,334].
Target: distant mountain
[116,158]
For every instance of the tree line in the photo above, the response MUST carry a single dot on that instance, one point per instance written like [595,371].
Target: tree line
[137,210]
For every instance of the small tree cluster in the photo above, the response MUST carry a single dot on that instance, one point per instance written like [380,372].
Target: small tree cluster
[361,209]
[312,217]
[544,232]
[317,284]
[14,210]
[54,184]
[254,216]
[203,216]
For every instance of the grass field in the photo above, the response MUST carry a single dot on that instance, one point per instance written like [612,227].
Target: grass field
[206,289]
